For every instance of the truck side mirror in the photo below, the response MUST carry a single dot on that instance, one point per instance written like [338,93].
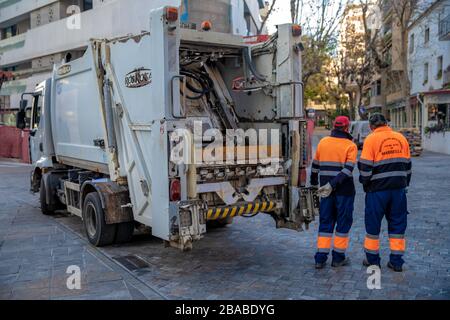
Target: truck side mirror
[23,104]
[21,119]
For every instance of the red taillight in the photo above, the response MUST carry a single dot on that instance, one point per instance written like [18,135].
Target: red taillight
[175,190]
[206,25]
[296,30]
[171,14]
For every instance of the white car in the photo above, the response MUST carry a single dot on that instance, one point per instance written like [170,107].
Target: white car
[360,130]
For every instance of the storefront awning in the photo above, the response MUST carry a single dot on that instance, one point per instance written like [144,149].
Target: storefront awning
[437,97]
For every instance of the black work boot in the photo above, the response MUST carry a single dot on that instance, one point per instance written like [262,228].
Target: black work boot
[343,263]
[367,264]
[320,266]
[395,268]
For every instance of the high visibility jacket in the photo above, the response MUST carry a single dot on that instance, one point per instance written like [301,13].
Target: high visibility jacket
[334,162]
[385,162]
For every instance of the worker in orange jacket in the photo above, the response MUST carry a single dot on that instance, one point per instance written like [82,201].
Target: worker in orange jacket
[334,162]
[385,168]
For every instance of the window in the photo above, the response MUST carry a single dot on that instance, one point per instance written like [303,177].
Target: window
[36,112]
[427,35]
[439,115]
[87,5]
[425,73]
[5,102]
[440,66]
[404,118]
[8,32]
[411,44]
[378,87]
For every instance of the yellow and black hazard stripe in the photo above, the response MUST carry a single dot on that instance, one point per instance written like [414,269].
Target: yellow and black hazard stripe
[239,210]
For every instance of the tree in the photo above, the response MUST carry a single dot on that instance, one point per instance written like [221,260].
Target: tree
[320,20]
[324,87]
[353,67]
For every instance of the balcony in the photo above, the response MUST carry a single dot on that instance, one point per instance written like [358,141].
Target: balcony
[11,9]
[376,101]
[444,29]
[12,43]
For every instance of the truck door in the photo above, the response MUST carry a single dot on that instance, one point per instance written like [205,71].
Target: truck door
[36,135]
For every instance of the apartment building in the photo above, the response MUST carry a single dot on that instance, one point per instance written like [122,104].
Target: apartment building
[429,70]
[395,101]
[36,34]
[352,38]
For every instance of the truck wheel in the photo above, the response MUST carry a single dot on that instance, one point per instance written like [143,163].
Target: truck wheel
[124,232]
[46,209]
[98,232]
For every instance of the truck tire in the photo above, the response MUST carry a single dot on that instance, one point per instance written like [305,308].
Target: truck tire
[124,232]
[97,231]
[46,209]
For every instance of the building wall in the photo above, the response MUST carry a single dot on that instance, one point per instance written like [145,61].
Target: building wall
[392,77]
[437,142]
[11,9]
[428,53]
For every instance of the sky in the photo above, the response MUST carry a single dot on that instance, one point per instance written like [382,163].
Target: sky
[280,16]
[283,12]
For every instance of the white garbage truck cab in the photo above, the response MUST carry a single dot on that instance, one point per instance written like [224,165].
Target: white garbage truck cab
[174,129]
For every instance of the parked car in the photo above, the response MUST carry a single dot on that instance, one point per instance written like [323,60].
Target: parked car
[360,130]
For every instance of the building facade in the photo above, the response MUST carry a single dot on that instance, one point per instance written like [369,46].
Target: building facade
[353,39]
[395,106]
[34,35]
[429,70]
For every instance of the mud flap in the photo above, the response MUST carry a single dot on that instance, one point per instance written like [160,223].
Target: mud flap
[115,201]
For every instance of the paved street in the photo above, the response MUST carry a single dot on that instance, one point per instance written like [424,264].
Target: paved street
[248,260]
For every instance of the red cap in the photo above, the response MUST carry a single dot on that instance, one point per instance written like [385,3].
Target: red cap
[342,122]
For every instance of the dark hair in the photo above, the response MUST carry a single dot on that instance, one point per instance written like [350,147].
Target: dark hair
[378,120]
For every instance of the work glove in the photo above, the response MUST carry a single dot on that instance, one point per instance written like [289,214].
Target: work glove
[325,191]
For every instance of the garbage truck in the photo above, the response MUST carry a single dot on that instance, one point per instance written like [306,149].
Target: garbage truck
[173,129]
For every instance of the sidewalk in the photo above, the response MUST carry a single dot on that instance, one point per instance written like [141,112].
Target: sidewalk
[36,251]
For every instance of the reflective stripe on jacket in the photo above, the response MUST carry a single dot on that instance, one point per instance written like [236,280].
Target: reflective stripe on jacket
[334,162]
[385,162]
